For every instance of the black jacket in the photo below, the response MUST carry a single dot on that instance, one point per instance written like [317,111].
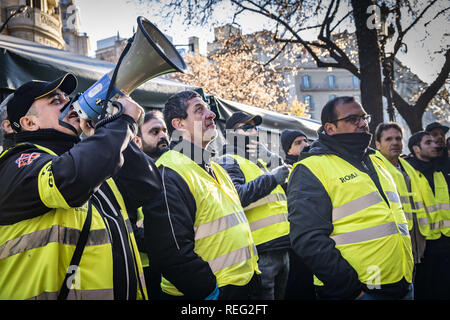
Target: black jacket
[310,215]
[251,191]
[290,159]
[441,245]
[169,231]
[79,170]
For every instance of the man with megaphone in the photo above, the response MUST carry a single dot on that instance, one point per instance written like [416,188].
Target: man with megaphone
[64,230]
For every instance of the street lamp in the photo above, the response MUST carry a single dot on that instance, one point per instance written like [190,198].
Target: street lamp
[386,33]
[21,9]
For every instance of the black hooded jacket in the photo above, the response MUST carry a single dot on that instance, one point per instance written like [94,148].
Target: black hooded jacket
[310,215]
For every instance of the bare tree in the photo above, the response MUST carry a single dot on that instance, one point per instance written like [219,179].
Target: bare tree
[293,21]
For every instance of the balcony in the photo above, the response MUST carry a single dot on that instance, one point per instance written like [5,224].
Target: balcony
[325,87]
[37,26]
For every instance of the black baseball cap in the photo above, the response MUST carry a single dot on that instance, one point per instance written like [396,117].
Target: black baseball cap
[242,117]
[436,125]
[29,92]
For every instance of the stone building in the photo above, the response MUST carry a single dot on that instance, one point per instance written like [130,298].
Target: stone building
[76,41]
[109,49]
[53,23]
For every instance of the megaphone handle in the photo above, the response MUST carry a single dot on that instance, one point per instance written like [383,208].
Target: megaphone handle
[113,117]
[113,78]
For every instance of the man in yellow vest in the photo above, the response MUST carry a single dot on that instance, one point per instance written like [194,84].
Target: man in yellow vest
[293,143]
[64,230]
[197,233]
[346,219]
[432,276]
[300,282]
[388,141]
[258,176]
[438,132]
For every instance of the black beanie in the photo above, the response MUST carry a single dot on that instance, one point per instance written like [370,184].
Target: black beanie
[288,136]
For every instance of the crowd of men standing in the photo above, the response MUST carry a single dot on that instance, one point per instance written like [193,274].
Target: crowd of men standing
[125,214]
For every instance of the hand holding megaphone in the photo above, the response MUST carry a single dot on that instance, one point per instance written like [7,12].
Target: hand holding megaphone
[148,54]
[129,107]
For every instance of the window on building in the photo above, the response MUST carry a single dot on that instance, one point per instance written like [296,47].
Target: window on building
[306,82]
[308,99]
[331,81]
[355,82]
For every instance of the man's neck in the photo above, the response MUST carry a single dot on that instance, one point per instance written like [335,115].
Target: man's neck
[393,160]
[424,159]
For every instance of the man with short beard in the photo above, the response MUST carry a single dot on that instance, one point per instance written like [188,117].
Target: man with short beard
[432,276]
[152,136]
[153,140]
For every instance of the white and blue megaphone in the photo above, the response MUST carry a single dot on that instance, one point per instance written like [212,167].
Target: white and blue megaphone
[149,55]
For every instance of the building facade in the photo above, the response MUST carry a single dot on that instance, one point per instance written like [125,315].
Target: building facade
[54,23]
[76,41]
[306,82]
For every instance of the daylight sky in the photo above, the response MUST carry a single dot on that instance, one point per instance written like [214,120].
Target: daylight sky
[104,18]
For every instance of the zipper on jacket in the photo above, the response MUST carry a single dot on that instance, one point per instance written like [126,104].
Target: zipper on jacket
[121,239]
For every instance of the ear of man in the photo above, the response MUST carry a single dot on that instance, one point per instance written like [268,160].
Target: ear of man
[177,123]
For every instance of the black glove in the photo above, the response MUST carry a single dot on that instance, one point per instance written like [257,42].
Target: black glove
[272,159]
[280,173]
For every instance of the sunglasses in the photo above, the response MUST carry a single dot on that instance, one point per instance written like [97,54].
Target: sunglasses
[355,119]
[247,127]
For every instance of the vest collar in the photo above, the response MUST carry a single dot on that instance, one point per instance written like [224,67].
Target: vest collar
[197,154]
[52,139]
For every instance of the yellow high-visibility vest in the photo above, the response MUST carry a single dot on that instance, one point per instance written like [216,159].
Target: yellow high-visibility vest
[222,234]
[268,217]
[371,234]
[140,224]
[35,253]
[437,205]
[418,208]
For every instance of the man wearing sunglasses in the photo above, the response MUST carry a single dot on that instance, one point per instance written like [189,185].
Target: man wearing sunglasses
[346,218]
[248,163]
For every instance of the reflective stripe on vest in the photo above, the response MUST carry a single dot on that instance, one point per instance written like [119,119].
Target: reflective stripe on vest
[268,215]
[368,230]
[221,231]
[56,233]
[410,193]
[42,248]
[436,205]
[99,294]
[231,258]
[218,225]
[371,233]
[267,199]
